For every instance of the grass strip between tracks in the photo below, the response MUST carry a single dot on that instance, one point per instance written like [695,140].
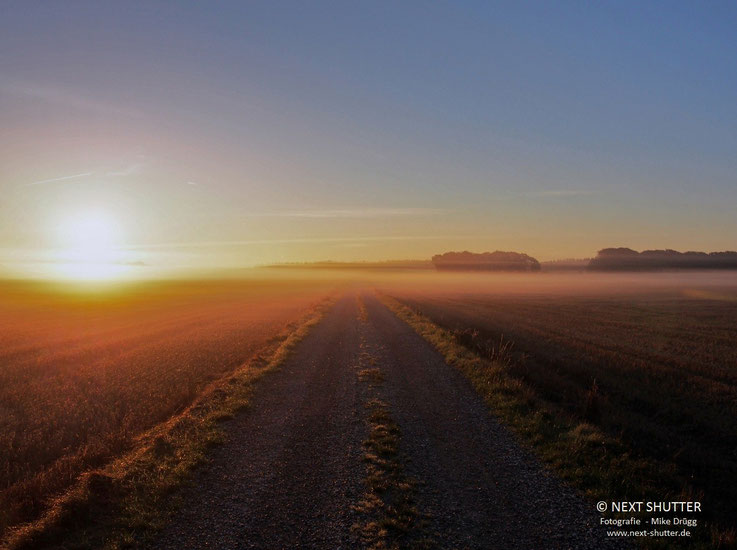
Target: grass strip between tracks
[392,520]
[124,504]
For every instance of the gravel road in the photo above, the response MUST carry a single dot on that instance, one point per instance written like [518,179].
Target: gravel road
[291,471]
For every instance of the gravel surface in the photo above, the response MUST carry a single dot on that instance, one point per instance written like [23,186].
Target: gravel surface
[292,470]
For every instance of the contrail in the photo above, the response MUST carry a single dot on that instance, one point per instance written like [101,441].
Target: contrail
[82,175]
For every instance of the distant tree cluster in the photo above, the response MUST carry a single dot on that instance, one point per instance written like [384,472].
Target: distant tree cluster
[626,259]
[487,261]
[567,264]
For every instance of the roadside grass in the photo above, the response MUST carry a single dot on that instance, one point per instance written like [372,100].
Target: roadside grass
[599,464]
[124,504]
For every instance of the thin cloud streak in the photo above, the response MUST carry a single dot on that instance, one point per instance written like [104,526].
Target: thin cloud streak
[62,178]
[129,170]
[350,213]
[302,240]
[560,193]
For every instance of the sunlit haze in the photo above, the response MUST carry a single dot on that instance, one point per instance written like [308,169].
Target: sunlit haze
[153,136]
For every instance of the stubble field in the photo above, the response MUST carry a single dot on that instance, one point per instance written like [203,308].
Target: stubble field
[649,361]
[83,373]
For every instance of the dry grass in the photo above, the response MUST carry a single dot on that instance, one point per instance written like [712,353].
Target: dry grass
[391,519]
[628,396]
[389,499]
[362,311]
[83,376]
[375,377]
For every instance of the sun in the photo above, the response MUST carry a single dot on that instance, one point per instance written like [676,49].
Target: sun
[91,235]
[89,247]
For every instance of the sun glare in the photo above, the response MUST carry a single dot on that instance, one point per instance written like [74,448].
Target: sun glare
[88,248]
[91,233]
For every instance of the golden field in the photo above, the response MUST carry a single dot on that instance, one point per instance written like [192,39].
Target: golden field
[82,373]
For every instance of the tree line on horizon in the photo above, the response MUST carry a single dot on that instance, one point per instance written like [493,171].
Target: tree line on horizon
[626,259]
[607,259]
[487,261]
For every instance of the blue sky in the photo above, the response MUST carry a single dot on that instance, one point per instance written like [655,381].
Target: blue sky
[265,131]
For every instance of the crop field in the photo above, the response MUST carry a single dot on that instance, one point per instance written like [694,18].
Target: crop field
[625,384]
[651,365]
[83,373]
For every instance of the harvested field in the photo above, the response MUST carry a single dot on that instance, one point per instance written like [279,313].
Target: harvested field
[82,374]
[654,367]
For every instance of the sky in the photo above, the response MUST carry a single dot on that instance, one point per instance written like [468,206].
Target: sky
[238,133]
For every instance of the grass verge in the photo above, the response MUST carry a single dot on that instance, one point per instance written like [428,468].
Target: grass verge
[600,465]
[125,503]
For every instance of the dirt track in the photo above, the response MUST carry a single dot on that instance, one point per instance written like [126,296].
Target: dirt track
[292,472]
